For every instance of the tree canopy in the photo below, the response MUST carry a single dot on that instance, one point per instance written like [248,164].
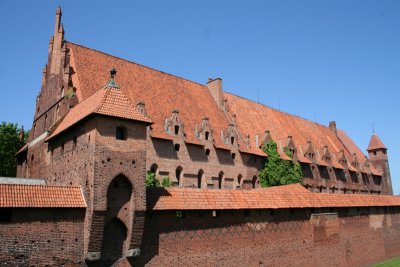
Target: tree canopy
[9,145]
[277,171]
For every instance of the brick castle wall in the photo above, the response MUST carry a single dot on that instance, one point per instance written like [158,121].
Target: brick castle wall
[42,237]
[345,237]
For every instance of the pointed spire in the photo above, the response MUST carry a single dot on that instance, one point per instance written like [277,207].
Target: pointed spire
[375,143]
[112,82]
[58,20]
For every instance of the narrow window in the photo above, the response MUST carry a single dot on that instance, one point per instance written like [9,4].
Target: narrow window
[233,155]
[207,135]
[75,140]
[178,174]
[177,147]
[207,152]
[220,179]
[232,140]
[176,129]
[120,133]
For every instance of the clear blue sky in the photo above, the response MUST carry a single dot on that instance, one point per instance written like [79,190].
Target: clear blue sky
[322,60]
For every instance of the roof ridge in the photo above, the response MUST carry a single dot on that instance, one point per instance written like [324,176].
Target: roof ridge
[41,185]
[139,64]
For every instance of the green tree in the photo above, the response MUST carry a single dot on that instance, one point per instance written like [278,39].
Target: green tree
[277,171]
[9,146]
[151,180]
[166,182]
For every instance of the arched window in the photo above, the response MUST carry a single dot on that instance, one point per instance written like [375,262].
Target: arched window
[220,179]
[178,173]
[239,180]
[232,140]
[176,129]
[200,176]
[207,135]
[153,168]
[254,181]
[120,133]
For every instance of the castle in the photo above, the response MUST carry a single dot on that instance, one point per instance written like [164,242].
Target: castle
[97,132]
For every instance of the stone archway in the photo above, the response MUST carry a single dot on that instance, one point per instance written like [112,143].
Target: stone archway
[115,233]
[117,220]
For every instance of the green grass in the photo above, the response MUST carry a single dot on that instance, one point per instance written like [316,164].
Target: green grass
[389,263]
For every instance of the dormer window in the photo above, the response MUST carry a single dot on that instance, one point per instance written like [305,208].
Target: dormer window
[207,135]
[176,129]
[120,133]
[232,140]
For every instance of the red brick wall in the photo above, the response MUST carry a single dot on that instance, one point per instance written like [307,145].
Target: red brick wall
[42,237]
[350,237]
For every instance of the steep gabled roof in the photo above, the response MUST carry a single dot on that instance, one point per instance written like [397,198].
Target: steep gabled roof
[375,143]
[161,92]
[40,196]
[279,197]
[108,101]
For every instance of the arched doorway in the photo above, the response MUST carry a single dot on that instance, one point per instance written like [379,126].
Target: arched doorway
[117,220]
[114,237]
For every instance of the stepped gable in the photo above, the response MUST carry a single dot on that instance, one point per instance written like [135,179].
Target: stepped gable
[255,119]
[161,92]
[279,197]
[375,143]
[108,101]
[41,196]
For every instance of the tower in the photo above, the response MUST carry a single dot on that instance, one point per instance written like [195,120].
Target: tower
[377,153]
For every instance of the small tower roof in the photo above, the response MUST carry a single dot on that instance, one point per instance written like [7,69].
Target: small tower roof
[375,143]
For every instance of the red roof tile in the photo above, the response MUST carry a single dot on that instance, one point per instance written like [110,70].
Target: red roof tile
[107,101]
[375,143]
[293,196]
[40,196]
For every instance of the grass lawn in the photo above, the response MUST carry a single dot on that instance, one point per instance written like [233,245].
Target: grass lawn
[389,263]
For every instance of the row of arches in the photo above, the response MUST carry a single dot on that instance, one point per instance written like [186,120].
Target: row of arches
[201,182]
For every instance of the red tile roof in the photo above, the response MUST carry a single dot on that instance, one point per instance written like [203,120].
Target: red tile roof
[40,196]
[161,92]
[293,196]
[375,143]
[107,101]
[164,92]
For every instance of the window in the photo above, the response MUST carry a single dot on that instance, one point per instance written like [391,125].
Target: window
[120,133]
[323,172]
[365,178]
[207,152]
[307,172]
[207,135]
[232,140]
[340,175]
[178,173]
[199,178]
[75,140]
[220,179]
[176,129]
[254,181]
[177,147]
[354,177]
[233,155]
[377,179]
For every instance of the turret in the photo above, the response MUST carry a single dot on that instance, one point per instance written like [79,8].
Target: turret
[377,153]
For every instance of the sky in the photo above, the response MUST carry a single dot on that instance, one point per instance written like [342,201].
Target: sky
[321,60]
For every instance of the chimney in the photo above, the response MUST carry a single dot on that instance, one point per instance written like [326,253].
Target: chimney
[332,126]
[215,87]
[141,107]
